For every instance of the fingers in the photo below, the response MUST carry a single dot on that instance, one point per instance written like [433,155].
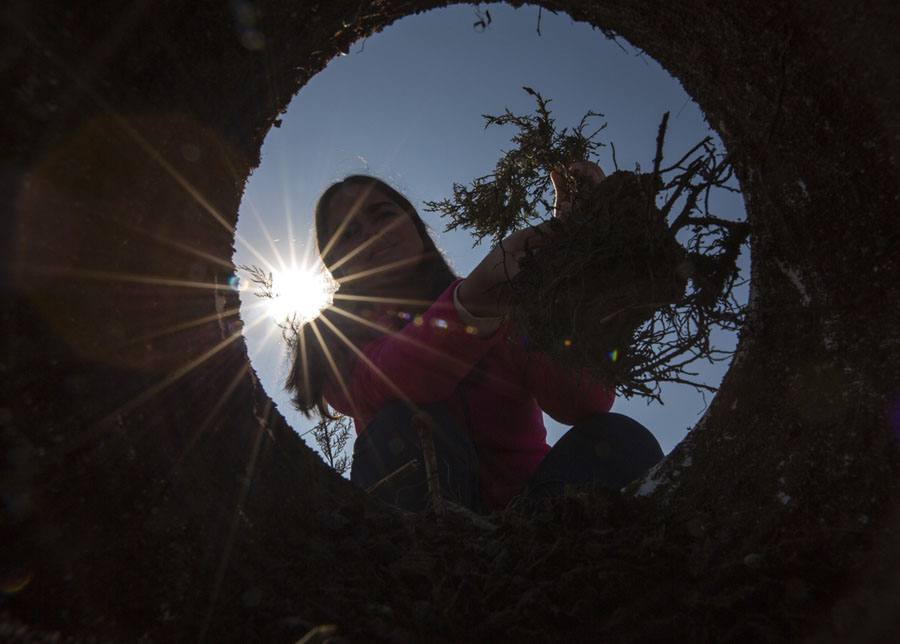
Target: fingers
[587,171]
[584,172]
[559,184]
[562,204]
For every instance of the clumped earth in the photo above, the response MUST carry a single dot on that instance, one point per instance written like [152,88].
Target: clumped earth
[152,494]
[601,277]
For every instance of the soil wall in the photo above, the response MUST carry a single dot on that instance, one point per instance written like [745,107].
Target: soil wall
[151,492]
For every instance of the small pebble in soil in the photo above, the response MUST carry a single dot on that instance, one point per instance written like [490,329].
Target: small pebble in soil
[753,560]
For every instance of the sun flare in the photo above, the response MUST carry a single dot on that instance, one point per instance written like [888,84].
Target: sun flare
[300,294]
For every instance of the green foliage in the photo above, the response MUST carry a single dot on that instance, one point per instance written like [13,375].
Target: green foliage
[264,281]
[630,287]
[517,192]
[332,436]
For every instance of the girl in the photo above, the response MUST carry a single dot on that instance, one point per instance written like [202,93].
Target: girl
[405,337]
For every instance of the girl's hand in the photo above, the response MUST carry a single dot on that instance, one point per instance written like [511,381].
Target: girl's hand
[485,292]
[584,172]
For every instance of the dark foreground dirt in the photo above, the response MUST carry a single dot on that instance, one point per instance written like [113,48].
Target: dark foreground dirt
[151,494]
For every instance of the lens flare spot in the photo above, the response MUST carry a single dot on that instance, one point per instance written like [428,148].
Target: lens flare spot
[237,284]
[253,39]
[190,152]
[403,315]
[471,330]
[13,581]
[418,321]
[613,355]
[439,323]
[567,342]
[602,449]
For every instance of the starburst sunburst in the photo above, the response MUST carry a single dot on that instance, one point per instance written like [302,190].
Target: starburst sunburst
[300,293]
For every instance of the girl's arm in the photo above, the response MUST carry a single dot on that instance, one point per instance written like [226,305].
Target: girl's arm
[423,362]
[565,396]
[485,292]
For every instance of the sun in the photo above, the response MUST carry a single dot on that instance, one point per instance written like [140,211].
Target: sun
[299,294]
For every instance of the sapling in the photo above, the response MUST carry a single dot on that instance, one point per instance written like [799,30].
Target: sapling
[616,292]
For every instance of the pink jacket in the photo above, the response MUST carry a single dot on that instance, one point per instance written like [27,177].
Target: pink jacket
[428,359]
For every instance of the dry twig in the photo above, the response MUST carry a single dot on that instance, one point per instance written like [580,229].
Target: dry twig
[423,425]
[394,477]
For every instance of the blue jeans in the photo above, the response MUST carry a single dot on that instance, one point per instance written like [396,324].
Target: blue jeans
[606,448]
[390,441]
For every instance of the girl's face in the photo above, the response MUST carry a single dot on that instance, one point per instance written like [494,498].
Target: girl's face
[371,231]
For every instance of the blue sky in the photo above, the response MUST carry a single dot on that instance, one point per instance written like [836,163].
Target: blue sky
[406,105]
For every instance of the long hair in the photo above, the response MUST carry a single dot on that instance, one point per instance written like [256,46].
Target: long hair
[316,349]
